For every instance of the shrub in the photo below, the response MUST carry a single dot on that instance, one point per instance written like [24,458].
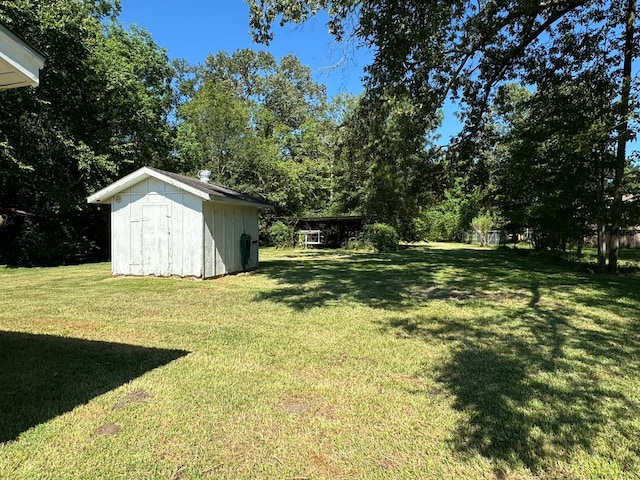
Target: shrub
[437,224]
[482,225]
[282,235]
[383,237]
[357,243]
[450,217]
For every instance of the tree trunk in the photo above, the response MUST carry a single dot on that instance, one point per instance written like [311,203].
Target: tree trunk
[602,247]
[623,135]
[600,232]
[614,243]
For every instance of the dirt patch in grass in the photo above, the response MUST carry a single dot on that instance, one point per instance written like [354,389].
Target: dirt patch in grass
[322,466]
[435,292]
[293,405]
[318,407]
[390,462]
[136,397]
[439,292]
[106,429]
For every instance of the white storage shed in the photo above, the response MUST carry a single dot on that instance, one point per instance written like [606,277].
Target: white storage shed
[167,224]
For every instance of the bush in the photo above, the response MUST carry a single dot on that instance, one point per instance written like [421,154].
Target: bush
[282,235]
[482,225]
[439,225]
[448,219]
[358,243]
[444,226]
[383,237]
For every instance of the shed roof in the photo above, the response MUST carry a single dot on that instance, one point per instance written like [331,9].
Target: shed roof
[204,190]
[20,63]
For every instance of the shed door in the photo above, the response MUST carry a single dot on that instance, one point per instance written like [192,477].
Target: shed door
[150,253]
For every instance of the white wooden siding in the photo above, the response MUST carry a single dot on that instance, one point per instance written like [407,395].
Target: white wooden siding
[156,230]
[225,224]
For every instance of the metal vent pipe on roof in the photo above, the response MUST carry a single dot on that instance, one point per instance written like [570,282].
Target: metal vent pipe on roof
[204,175]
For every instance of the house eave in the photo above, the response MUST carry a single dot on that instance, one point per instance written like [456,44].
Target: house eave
[20,63]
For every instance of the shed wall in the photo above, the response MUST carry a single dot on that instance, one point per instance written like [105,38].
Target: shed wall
[224,226]
[156,230]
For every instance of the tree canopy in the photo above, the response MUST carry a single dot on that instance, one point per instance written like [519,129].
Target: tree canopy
[259,125]
[427,52]
[546,88]
[100,111]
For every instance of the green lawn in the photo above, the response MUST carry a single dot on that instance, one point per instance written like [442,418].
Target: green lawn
[444,361]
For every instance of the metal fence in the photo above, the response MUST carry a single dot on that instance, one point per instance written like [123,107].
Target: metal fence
[495,237]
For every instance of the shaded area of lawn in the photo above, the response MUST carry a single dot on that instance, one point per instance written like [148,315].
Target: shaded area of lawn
[530,403]
[43,376]
[317,278]
[539,356]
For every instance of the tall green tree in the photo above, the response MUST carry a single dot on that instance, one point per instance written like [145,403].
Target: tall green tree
[100,111]
[387,169]
[261,126]
[623,111]
[554,171]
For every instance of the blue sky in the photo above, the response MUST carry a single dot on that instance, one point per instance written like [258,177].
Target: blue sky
[191,29]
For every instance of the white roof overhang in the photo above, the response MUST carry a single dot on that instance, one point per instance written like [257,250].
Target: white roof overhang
[20,64]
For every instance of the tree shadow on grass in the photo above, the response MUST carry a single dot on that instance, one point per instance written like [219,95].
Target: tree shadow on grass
[389,280]
[535,373]
[538,383]
[517,417]
[43,376]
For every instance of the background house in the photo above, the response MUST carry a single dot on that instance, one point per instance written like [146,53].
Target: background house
[166,224]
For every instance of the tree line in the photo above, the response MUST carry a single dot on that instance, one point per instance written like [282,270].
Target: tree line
[556,161]
[548,108]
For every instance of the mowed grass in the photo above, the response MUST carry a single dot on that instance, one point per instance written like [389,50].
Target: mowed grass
[443,361]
